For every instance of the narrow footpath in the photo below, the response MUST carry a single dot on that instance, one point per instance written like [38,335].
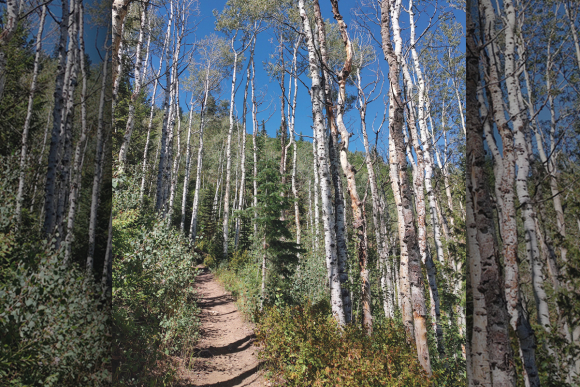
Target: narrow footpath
[227,356]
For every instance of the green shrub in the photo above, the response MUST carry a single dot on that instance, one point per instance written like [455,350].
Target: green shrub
[154,306]
[54,329]
[303,346]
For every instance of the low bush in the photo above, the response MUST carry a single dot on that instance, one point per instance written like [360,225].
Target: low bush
[54,329]
[155,314]
[303,346]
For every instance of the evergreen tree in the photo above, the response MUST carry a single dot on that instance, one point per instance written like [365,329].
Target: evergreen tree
[280,252]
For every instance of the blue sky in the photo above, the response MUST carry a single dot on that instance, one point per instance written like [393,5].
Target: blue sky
[266,44]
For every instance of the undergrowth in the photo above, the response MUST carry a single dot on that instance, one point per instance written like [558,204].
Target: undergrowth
[155,315]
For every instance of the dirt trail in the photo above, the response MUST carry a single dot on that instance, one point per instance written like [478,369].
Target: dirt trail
[227,355]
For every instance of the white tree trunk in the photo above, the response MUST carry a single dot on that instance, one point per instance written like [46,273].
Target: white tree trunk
[136,90]
[24,151]
[51,194]
[229,154]
[98,168]
[195,206]
[187,167]
[328,211]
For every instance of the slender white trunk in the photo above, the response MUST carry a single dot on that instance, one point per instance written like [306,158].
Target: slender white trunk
[53,157]
[328,211]
[195,206]
[167,108]
[255,145]
[75,181]
[136,90]
[316,211]
[243,155]
[98,168]
[229,153]
[24,151]
[187,167]
[107,278]
[151,113]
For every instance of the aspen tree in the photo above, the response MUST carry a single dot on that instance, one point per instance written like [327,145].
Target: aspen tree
[328,217]
[339,222]
[411,274]
[359,221]
[24,150]
[98,166]
[136,90]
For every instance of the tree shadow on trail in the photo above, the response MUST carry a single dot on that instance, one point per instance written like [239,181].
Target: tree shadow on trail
[236,346]
[237,381]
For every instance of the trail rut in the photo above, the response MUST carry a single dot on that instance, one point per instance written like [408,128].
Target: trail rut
[227,355]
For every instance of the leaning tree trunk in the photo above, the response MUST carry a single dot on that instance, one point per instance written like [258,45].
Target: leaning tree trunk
[316,93]
[24,151]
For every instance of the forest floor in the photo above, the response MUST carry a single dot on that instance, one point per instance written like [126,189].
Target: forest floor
[227,356]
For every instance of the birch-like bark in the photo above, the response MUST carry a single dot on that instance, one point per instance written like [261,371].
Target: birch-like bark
[491,356]
[293,140]
[151,113]
[328,211]
[53,157]
[167,108]
[176,160]
[505,183]
[12,12]
[243,155]
[255,145]
[359,221]
[340,215]
[75,181]
[66,130]
[316,211]
[419,182]
[136,90]
[24,150]
[187,167]
[107,278]
[195,206]
[229,152]
[98,168]
[411,274]
[425,141]
[119,12]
